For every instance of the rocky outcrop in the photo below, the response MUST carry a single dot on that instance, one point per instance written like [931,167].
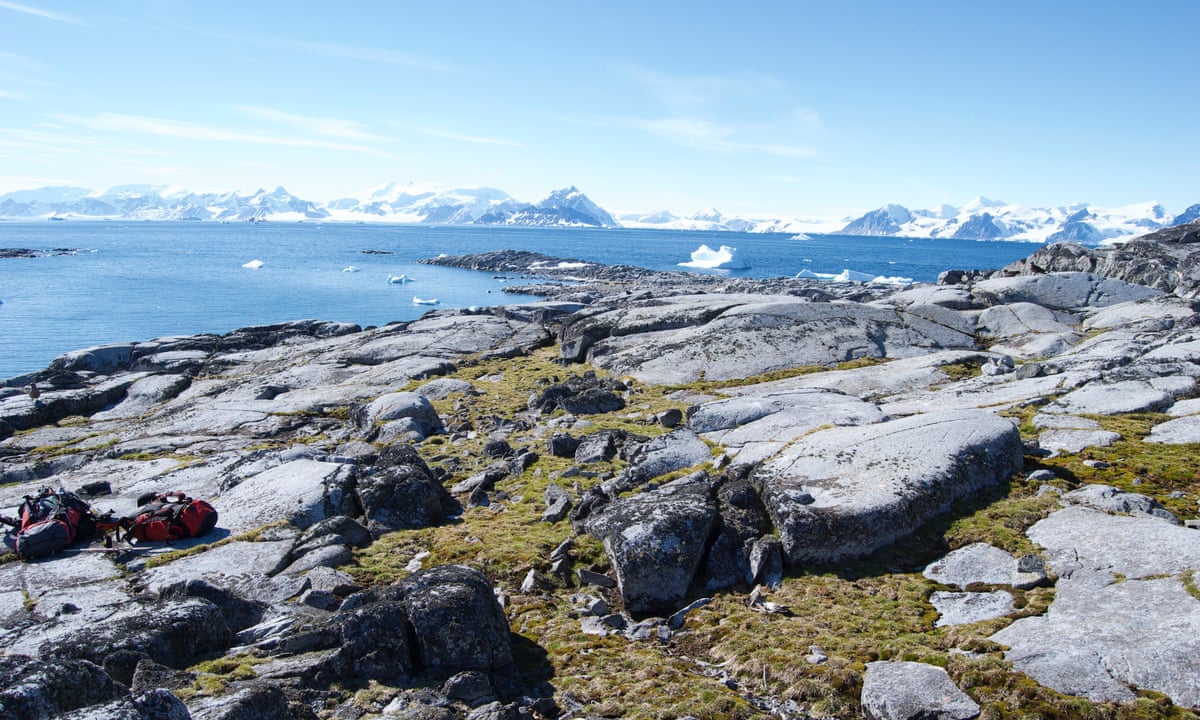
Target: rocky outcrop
[680,339]
[843,493]
[316,440]
[1164,260]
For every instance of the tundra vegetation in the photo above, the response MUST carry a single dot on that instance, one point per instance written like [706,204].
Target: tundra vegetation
[373,482]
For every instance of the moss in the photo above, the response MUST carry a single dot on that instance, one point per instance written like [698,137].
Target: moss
[857,612]
[959,371]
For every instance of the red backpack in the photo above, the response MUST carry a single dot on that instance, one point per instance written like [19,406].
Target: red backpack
[169,516]
[51,521]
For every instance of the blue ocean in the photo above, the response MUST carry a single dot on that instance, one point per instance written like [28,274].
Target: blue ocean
[132,281]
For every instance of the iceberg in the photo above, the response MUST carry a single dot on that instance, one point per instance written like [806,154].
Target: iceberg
[253,264]
[398,279]
[424,301]
[723,259]
[849,275]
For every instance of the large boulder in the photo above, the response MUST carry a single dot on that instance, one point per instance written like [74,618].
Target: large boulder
[37,689]
[656,541]
[426,628]
[414,409]
[402,493]
[676,450]
[845,492]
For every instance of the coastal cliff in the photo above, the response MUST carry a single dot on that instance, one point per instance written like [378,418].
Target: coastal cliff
[650,494]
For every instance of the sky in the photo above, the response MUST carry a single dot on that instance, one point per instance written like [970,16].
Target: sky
[766,109]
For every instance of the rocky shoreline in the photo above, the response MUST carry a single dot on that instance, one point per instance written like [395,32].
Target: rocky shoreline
[655,494]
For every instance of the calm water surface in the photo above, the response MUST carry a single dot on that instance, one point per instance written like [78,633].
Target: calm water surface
[136,281]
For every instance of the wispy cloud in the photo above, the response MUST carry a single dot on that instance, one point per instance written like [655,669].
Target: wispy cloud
[328,127]
[706,135]
[163,127]
[735,113]
[361,52]
[459,137]
[38,12]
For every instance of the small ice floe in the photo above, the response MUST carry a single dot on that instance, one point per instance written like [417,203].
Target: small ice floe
[424,301]
[350,268]
[398,279]
[253,264]
[801,236]
[849,275]
[725,258]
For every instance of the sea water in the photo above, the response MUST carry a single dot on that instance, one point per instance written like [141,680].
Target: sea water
[133,281]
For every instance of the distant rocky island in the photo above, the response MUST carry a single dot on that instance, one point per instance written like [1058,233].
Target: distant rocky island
[649,494]
[979,219]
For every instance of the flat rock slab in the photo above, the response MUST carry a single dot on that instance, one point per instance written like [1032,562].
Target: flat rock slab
[754,427]
[1101,637]
[1060,291]
[1069,440]
[1180,431]
[226,565]
[1099,398]
[1121,616]
[962,608]
[974,563]
[913,691]
[872,382]
[678,340]
[846,492]
[1164,308]
[294,491]
[1022,318]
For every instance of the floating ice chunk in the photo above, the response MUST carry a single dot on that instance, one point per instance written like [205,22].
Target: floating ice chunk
[350,268]
[253,264]
[424,301]
[849,275]
[398,279]
[725,259]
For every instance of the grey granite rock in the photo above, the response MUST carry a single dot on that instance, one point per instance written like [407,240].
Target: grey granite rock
[680,339]
[1180,431]
[1111,499]
[656,542]
[913,691]
[1060,291]
[1103,398]
[754,426]
[676,450]
[961,608]
[846,492]
[974,563]
[1121,615]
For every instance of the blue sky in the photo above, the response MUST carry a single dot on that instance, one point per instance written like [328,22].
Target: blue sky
[789,109]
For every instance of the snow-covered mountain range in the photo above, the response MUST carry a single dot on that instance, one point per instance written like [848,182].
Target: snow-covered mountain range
[979,219]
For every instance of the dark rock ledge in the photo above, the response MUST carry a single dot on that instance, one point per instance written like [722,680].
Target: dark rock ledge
[316,440]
